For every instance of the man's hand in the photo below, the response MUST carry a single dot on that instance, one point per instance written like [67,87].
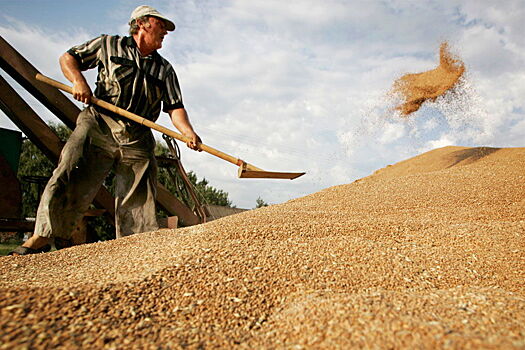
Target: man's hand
[180,120]
[71,70]
[194,141]
[82,92]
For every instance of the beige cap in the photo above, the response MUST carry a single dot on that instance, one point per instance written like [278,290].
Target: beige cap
[145,10]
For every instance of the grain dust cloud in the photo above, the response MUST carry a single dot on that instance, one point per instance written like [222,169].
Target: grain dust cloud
[428,86]
[420,111]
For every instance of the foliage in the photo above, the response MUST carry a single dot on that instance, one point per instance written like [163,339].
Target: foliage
[260,203]
[33,163]
[6,237]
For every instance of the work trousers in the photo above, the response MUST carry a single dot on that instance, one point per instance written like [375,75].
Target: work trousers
[98,144]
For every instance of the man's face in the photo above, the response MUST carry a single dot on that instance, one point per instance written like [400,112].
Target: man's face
[155,29]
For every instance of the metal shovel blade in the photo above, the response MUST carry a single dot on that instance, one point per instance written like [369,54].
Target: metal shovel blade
[245,173]
[250,174]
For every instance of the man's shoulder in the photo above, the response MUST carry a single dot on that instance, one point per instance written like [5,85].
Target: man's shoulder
[114,39]
[163,61]
[105,36]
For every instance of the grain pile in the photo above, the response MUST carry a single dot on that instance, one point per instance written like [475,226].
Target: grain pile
[426,253]
[415,89]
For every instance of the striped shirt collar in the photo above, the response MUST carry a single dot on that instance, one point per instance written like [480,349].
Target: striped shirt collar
[130,41]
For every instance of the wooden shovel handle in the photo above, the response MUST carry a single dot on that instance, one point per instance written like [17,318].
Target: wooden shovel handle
[147,122]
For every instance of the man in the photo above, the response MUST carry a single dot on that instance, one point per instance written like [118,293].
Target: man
[133,76]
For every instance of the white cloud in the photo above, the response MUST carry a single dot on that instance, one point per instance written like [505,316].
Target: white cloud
[442,142]
[38,45]
[391,133]
[42,49]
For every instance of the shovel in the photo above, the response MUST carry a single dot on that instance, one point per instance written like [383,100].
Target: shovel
[246,170]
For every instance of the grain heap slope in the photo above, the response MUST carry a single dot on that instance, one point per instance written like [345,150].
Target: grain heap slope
[426,253]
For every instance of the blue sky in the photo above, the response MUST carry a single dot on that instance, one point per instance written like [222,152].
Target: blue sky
[303,85]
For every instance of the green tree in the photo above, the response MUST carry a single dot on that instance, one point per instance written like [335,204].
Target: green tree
[34,170]
[259,203]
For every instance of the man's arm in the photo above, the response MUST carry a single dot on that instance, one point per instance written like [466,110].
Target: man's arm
[71,70]
[181,121]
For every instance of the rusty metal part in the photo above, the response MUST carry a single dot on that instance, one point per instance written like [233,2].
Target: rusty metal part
[175,153]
